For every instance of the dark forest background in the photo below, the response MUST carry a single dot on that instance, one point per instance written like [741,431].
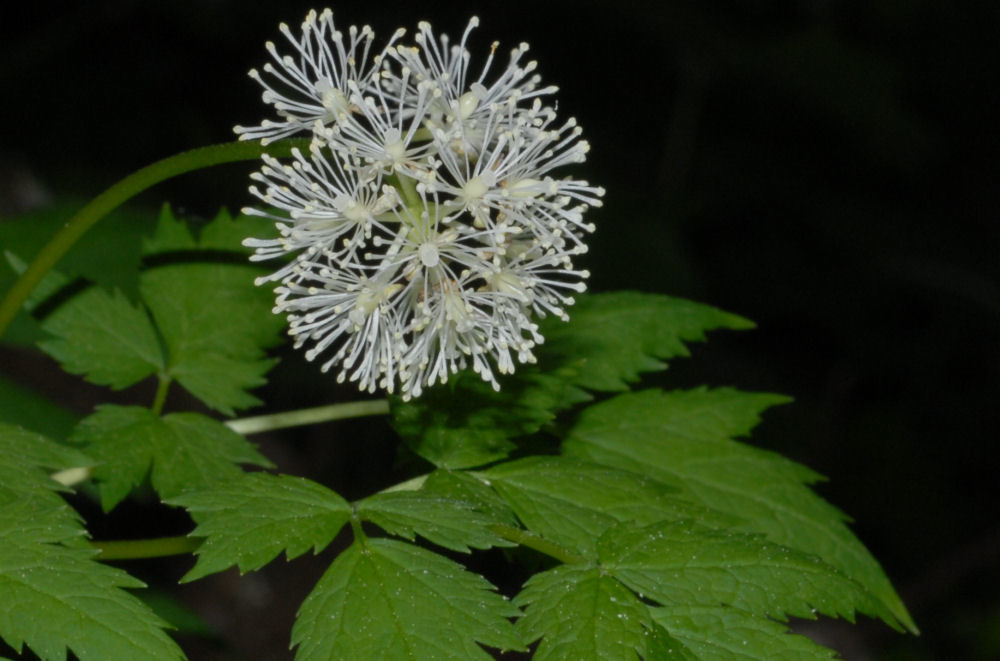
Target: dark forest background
[826,168]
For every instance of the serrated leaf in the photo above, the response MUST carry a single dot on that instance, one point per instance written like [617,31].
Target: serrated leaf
[721,633]
[55,596]
[685,564]
[462,486]
[448,522]
[465,423]
[573,502]
[181,451]
[220,381]
[171,234]
[104,337]
[33,449]
[580,612]
[224,232]
[386,599]
[619,335]
[227,232]
[25,461]
[684,436]
[216,324]
[249,520]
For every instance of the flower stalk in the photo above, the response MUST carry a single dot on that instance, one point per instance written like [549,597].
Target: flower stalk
[286,419]
[112,198]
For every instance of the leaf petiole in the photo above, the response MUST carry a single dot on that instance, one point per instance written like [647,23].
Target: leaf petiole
[162,388]
[540,544]
[133,549]
[262,423]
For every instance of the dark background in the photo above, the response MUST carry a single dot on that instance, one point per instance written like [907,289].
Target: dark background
[825,168]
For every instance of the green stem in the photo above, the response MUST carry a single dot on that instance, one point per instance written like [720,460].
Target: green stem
[162,388]
[359,532]
[532,541]
[262,423]
[110,199]
[133,549]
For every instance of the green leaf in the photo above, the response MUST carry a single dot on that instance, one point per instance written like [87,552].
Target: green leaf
[55,596]
[721,633]
[448,522]
[684,564]
[180,452]
[227,232]
[172,234]
[386,599]
[465,423]
[573,502]
[25,461]
[104,337]
[684,437]
[581,612]
[223,233]
[215,323]
[459,485]
[23,406]
[33,449]
[619,335]
[249,520]
[108,254]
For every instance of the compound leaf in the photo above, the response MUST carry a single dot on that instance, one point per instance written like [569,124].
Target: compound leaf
[610,339]
[58,597]
[465,423]
[104,337]
[215,323]
[722,633]
[386,599]
[581,612]
[25,461]
[249,520]
[685,437]
[572,502]
[681,564]
[55,595]
[180,451]
[464,486]
[449,522]
[619,335]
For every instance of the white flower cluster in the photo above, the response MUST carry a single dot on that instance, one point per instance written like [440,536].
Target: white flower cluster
[426,226]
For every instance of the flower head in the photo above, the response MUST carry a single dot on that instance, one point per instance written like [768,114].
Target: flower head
[427,226]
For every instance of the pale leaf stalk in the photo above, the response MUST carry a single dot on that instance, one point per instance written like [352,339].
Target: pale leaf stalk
[298,418]
[69,477]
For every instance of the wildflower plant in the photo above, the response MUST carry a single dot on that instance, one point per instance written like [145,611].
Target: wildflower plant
[419,227]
